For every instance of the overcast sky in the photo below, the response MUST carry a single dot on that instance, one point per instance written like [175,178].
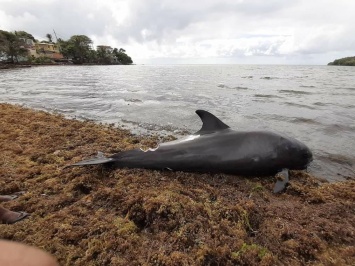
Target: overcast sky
[197,31]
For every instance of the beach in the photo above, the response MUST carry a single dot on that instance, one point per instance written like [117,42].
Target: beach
[98,216]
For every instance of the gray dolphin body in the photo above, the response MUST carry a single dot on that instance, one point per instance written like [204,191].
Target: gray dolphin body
[218,149]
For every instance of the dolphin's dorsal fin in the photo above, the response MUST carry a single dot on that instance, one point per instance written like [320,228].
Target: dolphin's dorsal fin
[210,123]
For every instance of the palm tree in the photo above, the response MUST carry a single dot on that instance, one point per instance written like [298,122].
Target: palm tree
[49,37]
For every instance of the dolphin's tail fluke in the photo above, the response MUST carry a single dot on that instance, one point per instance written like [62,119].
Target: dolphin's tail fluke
[99,159]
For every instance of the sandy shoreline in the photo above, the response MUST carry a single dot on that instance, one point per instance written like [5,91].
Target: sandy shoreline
[93,216]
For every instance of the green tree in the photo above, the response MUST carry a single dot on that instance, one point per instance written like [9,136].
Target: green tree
[104,55]
[11,46]
[92,57]
[78,47]
[49,37]
[24,34]
[3,43]
[122,57]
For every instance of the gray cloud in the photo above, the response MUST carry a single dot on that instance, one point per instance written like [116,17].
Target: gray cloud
[66,17]
[194,29]
[163,19]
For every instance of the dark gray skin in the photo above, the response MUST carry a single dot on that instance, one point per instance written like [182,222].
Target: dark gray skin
[218,149]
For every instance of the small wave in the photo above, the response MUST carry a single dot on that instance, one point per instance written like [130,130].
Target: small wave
[269,78]
[338,129]
[307,86]
[247,77]
[337,167]
[232,88]
[305,121]
[342,94]
[86,95]
[66,111]
[26,93]
[338,158]
[300,105]
[320,104]
[266,96]
[133,100]
[301,77]
[148,128]
[153,102]
[348,106]
[349,89]
[295,92]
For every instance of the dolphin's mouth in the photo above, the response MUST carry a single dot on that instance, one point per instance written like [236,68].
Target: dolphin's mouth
[308,156]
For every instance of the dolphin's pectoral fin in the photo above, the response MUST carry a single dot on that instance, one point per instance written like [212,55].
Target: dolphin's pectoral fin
[99,159]
[210,123]
[282,181]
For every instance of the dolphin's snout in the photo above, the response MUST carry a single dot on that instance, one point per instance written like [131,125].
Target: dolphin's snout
[307,155]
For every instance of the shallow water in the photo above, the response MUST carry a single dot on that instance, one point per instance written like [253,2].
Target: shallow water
[315,104]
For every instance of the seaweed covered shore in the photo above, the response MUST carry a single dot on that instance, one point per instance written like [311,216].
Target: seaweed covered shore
[97,216]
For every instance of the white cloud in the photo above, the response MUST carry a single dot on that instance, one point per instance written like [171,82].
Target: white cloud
[229,31]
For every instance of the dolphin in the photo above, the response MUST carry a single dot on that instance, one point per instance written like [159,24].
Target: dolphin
[216,148]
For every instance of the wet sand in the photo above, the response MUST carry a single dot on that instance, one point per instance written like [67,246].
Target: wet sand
[97,216]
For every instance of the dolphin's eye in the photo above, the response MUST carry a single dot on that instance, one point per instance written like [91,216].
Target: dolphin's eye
[306,154]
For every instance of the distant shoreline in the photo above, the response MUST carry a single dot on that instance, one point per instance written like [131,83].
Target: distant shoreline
[16,66]
[346,61]
[12,66]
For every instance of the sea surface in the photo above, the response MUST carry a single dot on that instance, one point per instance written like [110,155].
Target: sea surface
[315,104]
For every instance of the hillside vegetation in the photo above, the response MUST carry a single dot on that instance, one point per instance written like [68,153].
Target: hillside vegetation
[346,61]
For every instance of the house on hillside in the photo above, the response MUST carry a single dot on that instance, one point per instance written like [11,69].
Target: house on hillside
[35,50]
[28,44]
[50,50]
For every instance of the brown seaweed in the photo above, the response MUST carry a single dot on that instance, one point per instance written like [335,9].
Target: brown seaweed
[97,216]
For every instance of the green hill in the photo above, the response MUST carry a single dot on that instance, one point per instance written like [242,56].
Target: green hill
[346,61]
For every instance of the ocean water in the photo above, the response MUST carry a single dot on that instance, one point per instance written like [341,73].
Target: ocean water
[314,104]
